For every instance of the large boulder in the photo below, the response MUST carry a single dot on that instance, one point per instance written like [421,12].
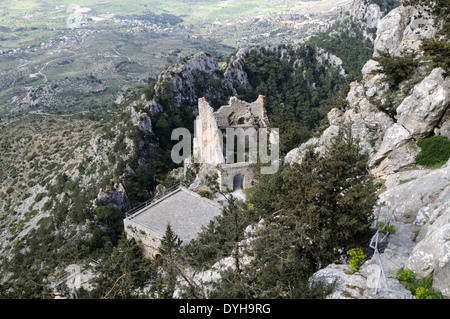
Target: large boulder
[412,193]
[394,137]
[140,119]
[402,29]
[432,254]
[116,197]
[399,158]
[420,112]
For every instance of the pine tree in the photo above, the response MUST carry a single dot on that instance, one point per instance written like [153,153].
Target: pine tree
[124,273]
[168,265]
[326,206]
[170,243]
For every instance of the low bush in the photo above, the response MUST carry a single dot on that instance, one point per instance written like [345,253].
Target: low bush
[421,288]
[395,68]
[357,258]
[434,151]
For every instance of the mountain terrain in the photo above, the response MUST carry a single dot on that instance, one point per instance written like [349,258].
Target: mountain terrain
[415,193]
[68,178]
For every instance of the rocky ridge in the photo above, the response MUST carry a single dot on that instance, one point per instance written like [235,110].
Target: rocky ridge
[365,15]
[418,198]
[200,76]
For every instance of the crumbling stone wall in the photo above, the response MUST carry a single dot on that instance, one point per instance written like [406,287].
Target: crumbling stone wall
[208,138]
[239,112]
[210,127]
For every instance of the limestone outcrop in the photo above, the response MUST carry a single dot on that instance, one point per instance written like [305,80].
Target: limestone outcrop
[200,76]
[140,119]
[116,197]
[235,75]
[367,15]
[418,198]
[193,78]
[403,29]
[421,112]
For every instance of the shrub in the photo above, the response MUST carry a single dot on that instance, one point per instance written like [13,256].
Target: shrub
[405,275]
[205,193]
[29,158]
[390,228]
[439,50]
[149,91]
[435,151]
[420,288]
[357,258]
[39,197]
[395,68]
[423,293]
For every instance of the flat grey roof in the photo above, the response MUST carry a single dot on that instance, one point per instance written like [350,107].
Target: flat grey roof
[185,210]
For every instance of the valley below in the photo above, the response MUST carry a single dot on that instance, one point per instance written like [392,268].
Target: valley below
[65,57]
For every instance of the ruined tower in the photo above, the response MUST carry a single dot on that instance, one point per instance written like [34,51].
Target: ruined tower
[213,128]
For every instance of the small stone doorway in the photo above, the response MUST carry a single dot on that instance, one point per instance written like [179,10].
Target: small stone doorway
[237,182]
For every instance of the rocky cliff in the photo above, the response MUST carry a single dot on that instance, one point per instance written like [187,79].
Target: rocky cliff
[418,198]
[200,76]
[366,15]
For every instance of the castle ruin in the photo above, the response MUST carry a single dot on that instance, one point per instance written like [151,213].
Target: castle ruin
[211,148]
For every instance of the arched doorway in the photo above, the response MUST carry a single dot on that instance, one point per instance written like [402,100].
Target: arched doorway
[237,182]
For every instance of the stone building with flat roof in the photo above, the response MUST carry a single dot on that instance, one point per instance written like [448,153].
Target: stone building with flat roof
[185,210]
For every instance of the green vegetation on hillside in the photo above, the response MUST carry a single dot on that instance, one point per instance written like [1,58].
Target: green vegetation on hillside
[434,151]
[353,49]
[395,68]
[70,229]
[298,88]
[323,205]
[294,94]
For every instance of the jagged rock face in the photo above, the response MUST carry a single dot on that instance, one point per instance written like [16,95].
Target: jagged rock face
[402,29]
[184,76]
[422,198]
[367,15]
[190,80]
[413,200]
[387,141]
[420,112]
[329,60]
[140,119]
[115,197]
[234,75]
[394,137]
[419,198]
[201,77]
[432,254]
